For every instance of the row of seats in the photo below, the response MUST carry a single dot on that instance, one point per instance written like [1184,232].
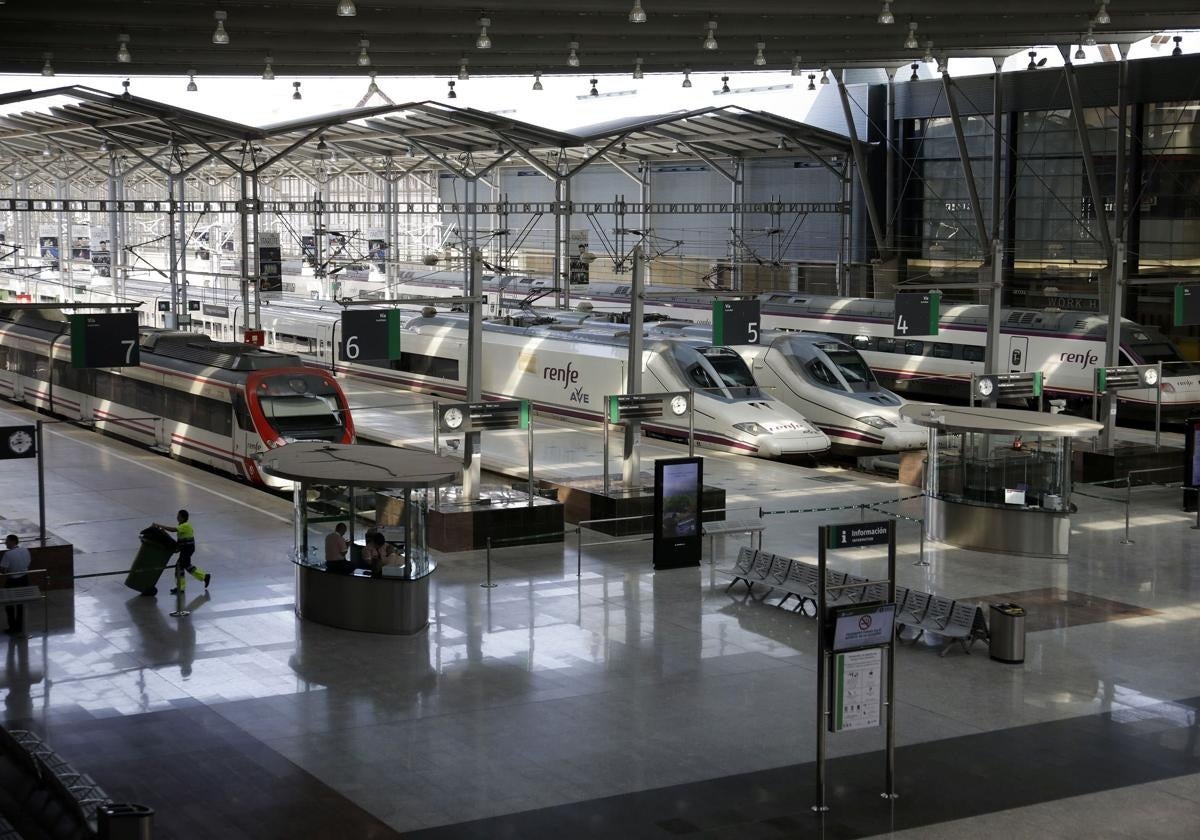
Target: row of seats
[51,794]
[957,622]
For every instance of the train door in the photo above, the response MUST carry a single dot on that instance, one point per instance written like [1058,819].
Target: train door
[1018,353]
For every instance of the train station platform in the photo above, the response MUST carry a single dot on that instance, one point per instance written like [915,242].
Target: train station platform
[620,703]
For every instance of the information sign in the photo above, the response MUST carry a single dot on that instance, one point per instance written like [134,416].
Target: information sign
[1126,377]
[736,321]
[678,484]
[270,266]
[1187,306]
[370,335]
[855,690]
[862,625]
[18,442]
[917,313]
[856,534]
[107,340]
[646,406]
[456,418]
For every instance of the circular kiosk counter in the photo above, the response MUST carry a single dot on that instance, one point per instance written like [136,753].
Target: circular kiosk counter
[398,601]
[999,479]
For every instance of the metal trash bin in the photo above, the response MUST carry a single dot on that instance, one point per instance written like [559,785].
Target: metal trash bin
[1006,633]
[124,821]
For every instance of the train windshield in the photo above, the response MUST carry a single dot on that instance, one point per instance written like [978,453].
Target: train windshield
[302,407]
[1165,352]
[853,369]
[731,369]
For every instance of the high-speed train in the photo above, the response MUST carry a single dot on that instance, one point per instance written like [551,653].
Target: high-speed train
[1066,346]
[564,368]
[215,403]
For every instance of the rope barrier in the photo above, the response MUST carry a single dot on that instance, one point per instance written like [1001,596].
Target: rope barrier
[859,506]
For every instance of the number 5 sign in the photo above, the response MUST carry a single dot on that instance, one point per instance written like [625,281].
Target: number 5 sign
[736,322]
[370,335]
[917,313]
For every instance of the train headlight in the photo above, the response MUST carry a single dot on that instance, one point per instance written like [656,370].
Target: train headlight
[1166,387]
[750,428]
[877,422]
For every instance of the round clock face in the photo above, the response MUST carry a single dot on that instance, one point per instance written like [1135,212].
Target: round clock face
[453,417]
[985,387]
[20,442]
[679,404]
[1150,377]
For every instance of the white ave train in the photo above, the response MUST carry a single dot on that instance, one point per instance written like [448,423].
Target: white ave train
[1066,346]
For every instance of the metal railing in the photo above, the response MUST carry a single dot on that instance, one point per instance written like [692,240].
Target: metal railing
[1129,484]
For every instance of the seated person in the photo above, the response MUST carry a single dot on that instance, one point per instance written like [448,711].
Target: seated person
[336,548]
[377,553]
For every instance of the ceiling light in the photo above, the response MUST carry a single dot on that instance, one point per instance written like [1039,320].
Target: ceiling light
[1090,38]
[812,81]
[323,148]
[46,152]
[346,8]
[724,84]
[687,78]
[1080,55]
[623,149]
[451,94]
[637,67]
[914,77]
[675,148]
[573,55]
[760,57]
[1178,39]
[191,85]
[1102,18]
[364,60]
[782,144]
[268,70]
[220,36]
[463,73]
[410,151]
[928,57]
[796,66]
[824,75]
[537,79]
[885,14]
[484,41]
[710,37]
[637,14]
[47,68]
[123,55]
[593,91]
[296,91]
[910,43]
[104,145]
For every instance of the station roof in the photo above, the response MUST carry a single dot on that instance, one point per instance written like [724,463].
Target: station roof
[430,37]
[79,126]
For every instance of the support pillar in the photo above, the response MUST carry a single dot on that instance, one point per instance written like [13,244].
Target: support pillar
[115,242]
[631,461]
[172,256]
[472,451]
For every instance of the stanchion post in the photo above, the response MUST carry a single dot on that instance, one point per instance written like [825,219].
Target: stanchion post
[1128,501]
[489,584]
[1158,408]
[691,422]
[921,561]
[822,536]
[579,551]
[41,473]
[437,442]
[1095,393]
[529,447]
[604,459]
[889,790]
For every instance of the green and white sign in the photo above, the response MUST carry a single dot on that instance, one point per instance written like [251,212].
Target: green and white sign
[855,689]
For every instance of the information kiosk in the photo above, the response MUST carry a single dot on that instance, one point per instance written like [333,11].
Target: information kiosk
[999,479]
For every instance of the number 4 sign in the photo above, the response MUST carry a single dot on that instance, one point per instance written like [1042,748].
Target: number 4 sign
[917,314]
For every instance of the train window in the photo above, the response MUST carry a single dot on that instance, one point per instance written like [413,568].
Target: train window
[241,414]
[437,366]
[861,342]
[700,377]
[821,373]
[914,348]
[942,350]
[885,345]
[972,353]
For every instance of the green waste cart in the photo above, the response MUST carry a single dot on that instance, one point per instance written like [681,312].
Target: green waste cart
[153,556]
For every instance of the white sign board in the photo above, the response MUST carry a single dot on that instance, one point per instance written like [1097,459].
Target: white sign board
[857,679]
[856,627]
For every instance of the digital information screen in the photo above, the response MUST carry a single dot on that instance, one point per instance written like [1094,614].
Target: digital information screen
[677,512]
[862,626]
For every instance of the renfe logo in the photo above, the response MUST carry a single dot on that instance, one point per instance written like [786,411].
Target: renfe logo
[566,375]
[1088,359]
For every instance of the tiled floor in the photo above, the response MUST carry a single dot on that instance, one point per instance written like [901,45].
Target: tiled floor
[621,703]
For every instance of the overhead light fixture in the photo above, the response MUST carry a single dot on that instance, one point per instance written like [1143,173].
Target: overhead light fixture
[410,151]
[1090,38]
[928,57]
[637,68]
[220,36]
[796,71]
[914,77]
[191,85]
[323,148]
[1034,63]
[911,43]
[885,14]
[623,150]
[46,151]
[687,78]
[1102,18]
[782,144]
[537,79]
[760,58]
[451,94]
[296,91]
[1080,55]
[824,75]
[463,73]
[47,68]
[123,55]
[812,81]
[268,71]
[710,36]
[1178,39]
[346,8]
[364,60]
[593,91]
[104,146]
[724,84]
[637,14]
[484,41]
[675,148]
[573,55]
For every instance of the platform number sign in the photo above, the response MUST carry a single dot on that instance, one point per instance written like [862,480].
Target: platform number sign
[370,335]
[917,314]
[1187,306]
[108,340]
[736,322]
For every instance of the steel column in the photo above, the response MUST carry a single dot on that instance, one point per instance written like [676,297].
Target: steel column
[114,238]
[995,301]
[172,256]
[631,463]
[472,454]
[964,157]
[860,165]
[889,200]
[1085,150]
[1117,262]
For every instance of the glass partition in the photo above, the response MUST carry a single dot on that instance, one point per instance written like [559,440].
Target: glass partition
[1001,468]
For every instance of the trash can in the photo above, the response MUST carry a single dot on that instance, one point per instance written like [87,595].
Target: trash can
[152,557]
[1006,633]
[124,821]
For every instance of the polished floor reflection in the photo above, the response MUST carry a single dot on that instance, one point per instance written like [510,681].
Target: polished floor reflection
[620,703]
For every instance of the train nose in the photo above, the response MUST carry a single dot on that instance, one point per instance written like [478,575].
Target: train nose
[905,437]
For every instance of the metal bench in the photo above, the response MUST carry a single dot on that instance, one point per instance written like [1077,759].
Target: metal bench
[720,527]
[801,583]
[742,566]
[966,626]
[936,618]
[914,609]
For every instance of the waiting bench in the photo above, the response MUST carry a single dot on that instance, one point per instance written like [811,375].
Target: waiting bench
[958,623]
[719,527]
[63,802]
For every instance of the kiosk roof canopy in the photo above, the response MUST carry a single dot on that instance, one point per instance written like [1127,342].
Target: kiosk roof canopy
[315,462]
[1007,420]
